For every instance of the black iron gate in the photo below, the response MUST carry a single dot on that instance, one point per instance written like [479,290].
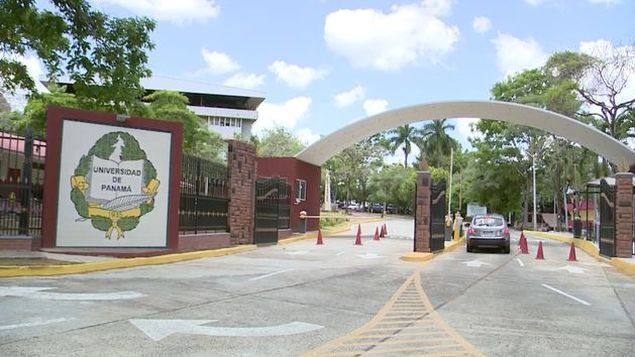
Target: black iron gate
[437,216]
[272,209]
[21,184]
[607,219]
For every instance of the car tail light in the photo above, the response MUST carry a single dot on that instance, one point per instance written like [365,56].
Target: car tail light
[505,230]
[471,231]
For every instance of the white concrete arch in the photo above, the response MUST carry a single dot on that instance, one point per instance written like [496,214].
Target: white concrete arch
[585,135]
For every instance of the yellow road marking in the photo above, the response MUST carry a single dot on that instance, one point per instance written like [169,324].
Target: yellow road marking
[408,313]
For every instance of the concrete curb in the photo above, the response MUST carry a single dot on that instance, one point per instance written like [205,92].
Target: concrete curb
[48,270]
[417,257]
[326,232]
[422,257]
[590,249]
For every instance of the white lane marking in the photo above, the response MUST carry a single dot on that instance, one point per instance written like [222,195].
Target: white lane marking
[159,329]
[33,324]
[37,293]
[567,295]
[573,269]
[475,263]
[370,256]
[340,253]
[271,274]
[298,252]
[520,262]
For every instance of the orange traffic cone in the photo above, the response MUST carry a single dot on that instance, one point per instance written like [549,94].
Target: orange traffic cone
[539,255]
[319,238]
[572,257]
[376,237]
[382,232]
[524,249]
[358,236]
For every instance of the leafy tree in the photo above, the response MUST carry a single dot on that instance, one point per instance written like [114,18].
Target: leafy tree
[435,141]
[353,167]
[404,136]
[395,185]
[197,139]
[37,105]
[104,57]
[278,142]
[600,80]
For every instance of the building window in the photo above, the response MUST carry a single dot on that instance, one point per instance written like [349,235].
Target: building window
[300,190]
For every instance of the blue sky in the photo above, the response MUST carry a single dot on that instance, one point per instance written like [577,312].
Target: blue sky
[372,55]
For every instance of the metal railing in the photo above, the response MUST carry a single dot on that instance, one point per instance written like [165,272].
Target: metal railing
[21,184]
[204,199]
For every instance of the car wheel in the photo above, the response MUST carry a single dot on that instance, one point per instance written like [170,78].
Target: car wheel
[468,248]
[506,250]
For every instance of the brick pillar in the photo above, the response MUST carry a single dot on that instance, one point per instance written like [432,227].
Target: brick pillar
[624,215]
[241,162]
[422,215]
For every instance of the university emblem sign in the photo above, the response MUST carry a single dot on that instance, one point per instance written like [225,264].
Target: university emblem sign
[110,183]
[114,184]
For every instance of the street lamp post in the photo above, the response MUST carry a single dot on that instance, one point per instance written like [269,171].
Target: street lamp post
[533,168]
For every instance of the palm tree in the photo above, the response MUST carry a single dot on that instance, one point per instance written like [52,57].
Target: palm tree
[403,135]
[435,142]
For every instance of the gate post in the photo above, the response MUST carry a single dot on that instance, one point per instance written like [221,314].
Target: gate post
[422,211]
[241,162]
[624,215]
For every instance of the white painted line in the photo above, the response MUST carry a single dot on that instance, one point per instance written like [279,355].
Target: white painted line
[340,253]
[567,295]
[32,324]
[159,329]
[270,274]
[39,293]
[520,262]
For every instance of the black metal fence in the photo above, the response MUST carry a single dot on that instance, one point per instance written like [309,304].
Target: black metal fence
[21,184]
[204,196]
[272,209]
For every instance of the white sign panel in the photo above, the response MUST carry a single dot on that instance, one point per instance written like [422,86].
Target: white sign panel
[113,187]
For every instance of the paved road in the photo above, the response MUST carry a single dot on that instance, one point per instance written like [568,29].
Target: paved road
[339,298]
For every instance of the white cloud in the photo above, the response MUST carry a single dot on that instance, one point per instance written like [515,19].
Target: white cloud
[375,106]
[245,80]
[535,2]
[218,62]
[515,54]
[286,115]
[306,136]
[347,98]
[463,130]
[296,76]
[179,12]
[481,24]
[405,35]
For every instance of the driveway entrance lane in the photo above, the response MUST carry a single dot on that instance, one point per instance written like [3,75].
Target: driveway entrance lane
[505,310]
[338,286]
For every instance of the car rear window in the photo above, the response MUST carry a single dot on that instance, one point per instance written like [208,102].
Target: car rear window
[488,222]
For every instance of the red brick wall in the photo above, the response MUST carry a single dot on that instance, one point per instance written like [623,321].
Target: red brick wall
[294,169]
[624,215]
[17,244]
[422,215]
[204,241]
[241,162]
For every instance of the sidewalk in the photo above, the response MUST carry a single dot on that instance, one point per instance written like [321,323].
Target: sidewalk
[626,265]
